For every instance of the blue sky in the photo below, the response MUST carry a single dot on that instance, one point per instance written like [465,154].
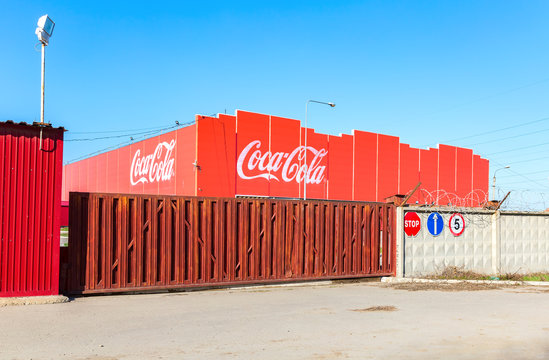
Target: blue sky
[466,73]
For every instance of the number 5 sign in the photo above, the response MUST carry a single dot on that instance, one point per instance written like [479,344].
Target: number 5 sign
[456,224]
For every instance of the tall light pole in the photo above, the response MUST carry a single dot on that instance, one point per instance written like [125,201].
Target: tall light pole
[494,181]
[331,104]
[43,32]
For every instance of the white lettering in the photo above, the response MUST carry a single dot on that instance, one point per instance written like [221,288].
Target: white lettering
[288,164]
[158,166]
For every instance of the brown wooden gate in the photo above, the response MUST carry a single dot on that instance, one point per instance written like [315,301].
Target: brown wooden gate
[137,242]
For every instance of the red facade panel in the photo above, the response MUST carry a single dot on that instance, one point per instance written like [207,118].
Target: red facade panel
[480,178]
[365,165]
[229,139]
[446,174]
[464,174]
[254,154]
[216,139]
[387,167]
[428,175]
[252,148]
[317,180]
[284,140]
[340,167]
[122,169]
[408,171]
[30,206]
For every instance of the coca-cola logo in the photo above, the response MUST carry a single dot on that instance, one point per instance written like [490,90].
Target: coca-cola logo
[158,166]
[280,165]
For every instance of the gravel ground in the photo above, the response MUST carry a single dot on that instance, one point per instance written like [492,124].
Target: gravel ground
[332,321]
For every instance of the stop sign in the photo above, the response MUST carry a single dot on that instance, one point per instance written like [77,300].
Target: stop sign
[412,223]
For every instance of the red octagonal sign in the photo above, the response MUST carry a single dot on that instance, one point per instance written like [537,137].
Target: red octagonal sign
[412,223]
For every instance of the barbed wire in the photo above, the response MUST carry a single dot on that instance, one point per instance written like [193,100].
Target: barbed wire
[468,206]
[471,206]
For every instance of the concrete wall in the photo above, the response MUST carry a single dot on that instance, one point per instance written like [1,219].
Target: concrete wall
[492,243]
[523,242]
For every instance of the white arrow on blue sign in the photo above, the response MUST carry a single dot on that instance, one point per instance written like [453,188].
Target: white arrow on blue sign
[435,224]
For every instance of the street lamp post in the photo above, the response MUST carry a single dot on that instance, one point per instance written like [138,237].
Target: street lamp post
[331,104]
[43,32]
[494,181]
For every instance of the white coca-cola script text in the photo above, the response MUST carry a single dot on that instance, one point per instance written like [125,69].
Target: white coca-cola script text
[158,166]
[281,165]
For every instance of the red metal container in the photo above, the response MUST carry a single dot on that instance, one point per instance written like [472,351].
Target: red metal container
[30,205]
[263,155]
[141,242]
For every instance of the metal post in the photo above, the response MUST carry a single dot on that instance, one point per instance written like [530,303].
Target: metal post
[494,187]
[306,167]
[43,83]
[494,181]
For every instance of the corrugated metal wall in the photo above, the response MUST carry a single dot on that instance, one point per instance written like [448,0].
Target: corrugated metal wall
[133,242]
[30,197]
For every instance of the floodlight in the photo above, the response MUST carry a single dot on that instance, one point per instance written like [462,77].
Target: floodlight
[44,29]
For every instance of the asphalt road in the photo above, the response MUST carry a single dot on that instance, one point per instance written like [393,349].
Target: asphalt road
[332,321]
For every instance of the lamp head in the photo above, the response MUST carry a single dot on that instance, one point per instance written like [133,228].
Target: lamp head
[44,29]
[332,104]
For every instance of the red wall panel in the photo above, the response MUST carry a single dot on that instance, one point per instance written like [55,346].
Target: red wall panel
[215,156]
[464,172]
[340,167]
[252,146]
[428,175]
[284,140]
[365,165]
[446,173]
[480,178]
[387,167]
[317,161]
[185,157]
[229,135]
[408,171]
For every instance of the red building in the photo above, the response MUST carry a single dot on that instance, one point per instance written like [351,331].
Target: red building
[254,154]
[30,204]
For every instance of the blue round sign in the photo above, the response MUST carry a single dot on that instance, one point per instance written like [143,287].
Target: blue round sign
[435,224]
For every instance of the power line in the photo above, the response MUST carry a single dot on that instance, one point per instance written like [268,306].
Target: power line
[523,176]
[120,136]
[528,160]
[508,138]
[157,130]
[496,130]
[491,96]
[520,148]
[519,154]
[522,182]
[141,138]
[530,173]
[114,131]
